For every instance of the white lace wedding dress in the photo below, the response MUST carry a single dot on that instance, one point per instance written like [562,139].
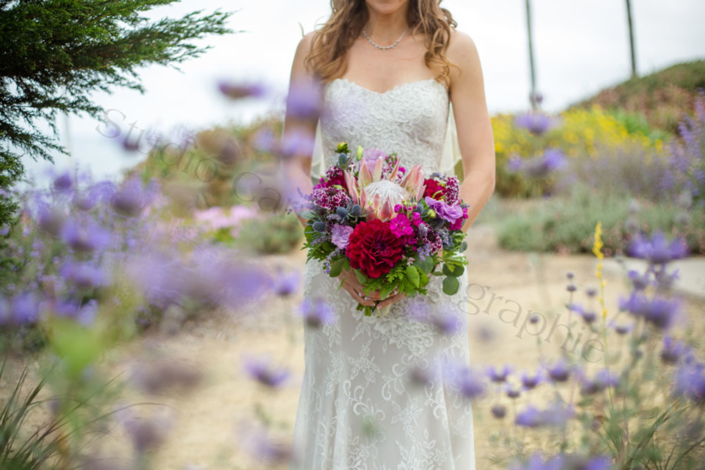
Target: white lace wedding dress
[360,407]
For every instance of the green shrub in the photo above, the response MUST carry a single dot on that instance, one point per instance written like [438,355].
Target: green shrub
[565,224]
[276,234]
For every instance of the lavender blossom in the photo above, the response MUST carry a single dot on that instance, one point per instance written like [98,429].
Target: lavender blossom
[317,313]
[536,123]
[498,375]
[658,249]
[465,380]
[261,370]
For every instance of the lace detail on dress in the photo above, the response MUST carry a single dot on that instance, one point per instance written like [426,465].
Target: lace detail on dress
[410,119]
[359,408]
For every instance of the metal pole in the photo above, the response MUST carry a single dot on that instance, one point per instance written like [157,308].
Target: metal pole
[631,37]
[531,55]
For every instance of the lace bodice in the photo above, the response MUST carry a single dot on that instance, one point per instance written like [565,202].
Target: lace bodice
[410,119]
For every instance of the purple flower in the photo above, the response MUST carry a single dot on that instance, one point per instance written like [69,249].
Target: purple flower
[286,284]
[443,210]
[555,415]
[673,351]
[690,381]
[131,199]
[317,313]
[297,142]
[531,381]
[304,100]
[85,238]
[560,371]
[446,322]
[236,91]
[499,411]
[63,182]
[263,372]
[540,166]
[535,123]
[84,275]
[371,154]
[498,375]
[85,314]
[146,433]
[262,447]
[659,311]
[602,380]
[341,235]
[51,220]
[657,249]
[466,381]
[25,308]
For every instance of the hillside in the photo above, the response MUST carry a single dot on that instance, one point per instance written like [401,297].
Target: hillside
[662,96]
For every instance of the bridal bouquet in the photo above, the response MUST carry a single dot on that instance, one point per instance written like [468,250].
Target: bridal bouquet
[391,225]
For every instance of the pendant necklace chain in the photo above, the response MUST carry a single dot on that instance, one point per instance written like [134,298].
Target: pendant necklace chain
[383,48]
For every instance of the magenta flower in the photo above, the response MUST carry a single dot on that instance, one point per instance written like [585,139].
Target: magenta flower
[401,226]
[341,235]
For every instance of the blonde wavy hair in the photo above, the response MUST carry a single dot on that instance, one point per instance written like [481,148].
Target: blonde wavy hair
[331,42]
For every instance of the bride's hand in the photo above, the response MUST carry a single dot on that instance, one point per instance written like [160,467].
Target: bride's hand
[356,291]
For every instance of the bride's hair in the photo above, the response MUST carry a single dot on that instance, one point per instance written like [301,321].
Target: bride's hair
[331,42]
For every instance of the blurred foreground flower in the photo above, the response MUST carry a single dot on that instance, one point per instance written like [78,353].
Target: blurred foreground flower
[540,166]
[536,123]
[262,447]
[263,371]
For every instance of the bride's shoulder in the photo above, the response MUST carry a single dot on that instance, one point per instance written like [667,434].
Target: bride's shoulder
[462,52]
[460,44]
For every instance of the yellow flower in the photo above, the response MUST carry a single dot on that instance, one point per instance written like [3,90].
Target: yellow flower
[597,250]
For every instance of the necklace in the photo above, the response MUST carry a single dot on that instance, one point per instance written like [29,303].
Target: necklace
[384,48]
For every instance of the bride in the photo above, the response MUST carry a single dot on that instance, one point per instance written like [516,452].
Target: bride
[375,391]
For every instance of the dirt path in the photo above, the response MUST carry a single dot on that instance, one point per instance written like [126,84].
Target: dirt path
[504,288]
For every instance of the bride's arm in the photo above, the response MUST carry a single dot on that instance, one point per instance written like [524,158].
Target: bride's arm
[472,120]
[297,168]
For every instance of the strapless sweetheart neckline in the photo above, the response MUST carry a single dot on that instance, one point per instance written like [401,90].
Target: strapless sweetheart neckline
[393,89]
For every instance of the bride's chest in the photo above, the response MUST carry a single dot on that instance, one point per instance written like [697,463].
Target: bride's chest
[417,109]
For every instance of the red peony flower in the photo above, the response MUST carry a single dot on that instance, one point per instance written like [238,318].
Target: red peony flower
[434,189]
[373,248]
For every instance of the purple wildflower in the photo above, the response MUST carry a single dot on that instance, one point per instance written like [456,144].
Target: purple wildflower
[657,249]
[531,381]
[236,91]
[263,372]
[659,311]
[498,375]
[286,284]
[690,382]
[317,313]
[499,411]
[25,308]
[84,275]
[535,123]
[560,371]
[85,238]
[63,182]
[304,99]
[466,381]
[673,351]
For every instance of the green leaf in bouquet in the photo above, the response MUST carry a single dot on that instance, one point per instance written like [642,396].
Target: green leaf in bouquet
[412,274]
[361,278]
[307,215]
[451,285]
[358,154]
[387,288]
[337,266]
[453,271]
[424,279]
[425,265]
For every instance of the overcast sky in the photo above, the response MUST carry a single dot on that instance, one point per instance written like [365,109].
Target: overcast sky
[581,46]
